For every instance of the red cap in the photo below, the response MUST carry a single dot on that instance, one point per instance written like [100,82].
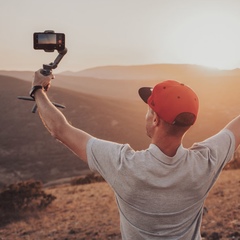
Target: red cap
[170,98]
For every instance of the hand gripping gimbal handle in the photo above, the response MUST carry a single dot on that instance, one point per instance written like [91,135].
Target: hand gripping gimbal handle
[46,71]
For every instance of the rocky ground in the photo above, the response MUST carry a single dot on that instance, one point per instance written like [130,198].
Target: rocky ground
[89,212]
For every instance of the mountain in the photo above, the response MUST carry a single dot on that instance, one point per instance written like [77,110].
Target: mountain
[98,81]
[106,108]
[24,75]
[27,150]
[149,72]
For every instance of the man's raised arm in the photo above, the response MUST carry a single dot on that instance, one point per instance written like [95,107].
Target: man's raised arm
[56,123]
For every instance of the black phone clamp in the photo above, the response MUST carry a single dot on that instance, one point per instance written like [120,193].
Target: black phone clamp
[46,71]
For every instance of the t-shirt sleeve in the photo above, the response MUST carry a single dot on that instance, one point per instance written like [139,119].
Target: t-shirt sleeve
[218,149]
[106,157]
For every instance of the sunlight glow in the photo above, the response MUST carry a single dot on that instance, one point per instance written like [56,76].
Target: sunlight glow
[136,32]
[210,40]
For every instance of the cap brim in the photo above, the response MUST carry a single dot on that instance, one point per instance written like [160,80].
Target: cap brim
[145,93]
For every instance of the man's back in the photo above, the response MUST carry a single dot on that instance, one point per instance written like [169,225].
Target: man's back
[161,197]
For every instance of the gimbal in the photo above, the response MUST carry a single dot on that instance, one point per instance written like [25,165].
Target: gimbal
[47,70]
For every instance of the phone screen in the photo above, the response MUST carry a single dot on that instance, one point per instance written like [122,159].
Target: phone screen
[44,38]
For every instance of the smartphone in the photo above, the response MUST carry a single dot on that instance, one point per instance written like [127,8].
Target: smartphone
[49,41]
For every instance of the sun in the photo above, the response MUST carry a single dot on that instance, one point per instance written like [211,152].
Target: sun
[210,39]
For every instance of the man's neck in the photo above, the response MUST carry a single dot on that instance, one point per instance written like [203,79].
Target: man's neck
[168,145]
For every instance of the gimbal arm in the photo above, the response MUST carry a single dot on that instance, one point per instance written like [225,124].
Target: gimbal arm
[47,68]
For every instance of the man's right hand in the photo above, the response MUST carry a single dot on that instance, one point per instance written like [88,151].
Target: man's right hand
[41,80]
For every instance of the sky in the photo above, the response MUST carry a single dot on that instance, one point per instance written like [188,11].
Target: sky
[122,32]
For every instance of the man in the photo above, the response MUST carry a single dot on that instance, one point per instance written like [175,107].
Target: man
[160,191]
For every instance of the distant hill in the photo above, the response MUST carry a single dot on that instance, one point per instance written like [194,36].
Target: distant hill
[106,109]
[28,151]
[98,81]
[149,72]
[24,75]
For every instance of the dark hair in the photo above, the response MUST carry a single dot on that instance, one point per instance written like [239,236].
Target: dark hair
[184,119]
[181,124]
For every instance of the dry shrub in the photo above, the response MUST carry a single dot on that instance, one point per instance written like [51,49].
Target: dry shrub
[22,197]
[235,163]
[89,178]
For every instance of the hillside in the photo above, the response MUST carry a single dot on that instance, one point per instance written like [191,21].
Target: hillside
[28,151]
[151,71]
[109,109]
[87,212]
[98,81]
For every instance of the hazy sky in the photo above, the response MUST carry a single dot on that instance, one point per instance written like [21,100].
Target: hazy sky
[122,32]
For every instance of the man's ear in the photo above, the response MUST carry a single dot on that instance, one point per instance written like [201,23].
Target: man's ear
[156,119]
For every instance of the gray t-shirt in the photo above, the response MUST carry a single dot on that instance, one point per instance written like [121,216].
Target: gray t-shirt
[161,197]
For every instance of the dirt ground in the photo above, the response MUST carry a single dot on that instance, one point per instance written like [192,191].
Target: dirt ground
[89,212]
